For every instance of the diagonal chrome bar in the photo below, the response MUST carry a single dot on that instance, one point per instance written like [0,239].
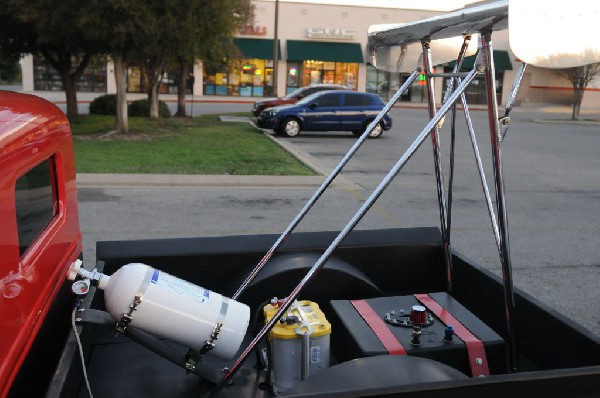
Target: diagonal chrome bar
[451,74]
[509,298]
[471,131]
[515,88]
[324,185]
[451,172]
[456,71]
[505,120]
[350,226]
[484,184]
[450,87]
[439,174]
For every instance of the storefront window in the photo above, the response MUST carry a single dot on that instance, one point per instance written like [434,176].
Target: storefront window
[138,83]
[385,84]
[47,78]
[243,78]
[294,76]
[309,72]
[135,81]
[476,92]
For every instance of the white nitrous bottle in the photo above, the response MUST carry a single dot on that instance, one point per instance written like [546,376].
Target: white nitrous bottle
[164,305]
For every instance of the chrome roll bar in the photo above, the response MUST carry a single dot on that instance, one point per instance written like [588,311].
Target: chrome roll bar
[483,21]
[354,220]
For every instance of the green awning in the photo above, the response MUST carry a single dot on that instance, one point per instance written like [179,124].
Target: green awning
[298,50]
[501,61]
[257,48]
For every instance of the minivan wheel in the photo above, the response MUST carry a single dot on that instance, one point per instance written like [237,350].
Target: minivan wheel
[290,127]
[375,133]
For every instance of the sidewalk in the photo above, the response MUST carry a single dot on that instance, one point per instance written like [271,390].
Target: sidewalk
[183,180]
[58,97]
[84,98]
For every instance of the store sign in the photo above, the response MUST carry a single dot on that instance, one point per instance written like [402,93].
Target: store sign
[253,30]
[330,33]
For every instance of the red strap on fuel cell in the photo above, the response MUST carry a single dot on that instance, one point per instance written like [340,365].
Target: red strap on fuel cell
[477,358]
[379,327]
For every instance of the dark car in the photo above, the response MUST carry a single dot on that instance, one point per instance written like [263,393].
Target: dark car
[327,111]
[293,97]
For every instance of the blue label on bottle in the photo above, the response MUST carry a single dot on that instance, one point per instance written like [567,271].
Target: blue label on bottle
[155,276]
[179,286]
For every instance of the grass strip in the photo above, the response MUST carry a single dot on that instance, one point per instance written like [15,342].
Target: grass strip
[199,145]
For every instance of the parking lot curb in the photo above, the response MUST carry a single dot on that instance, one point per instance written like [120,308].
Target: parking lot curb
[86,180]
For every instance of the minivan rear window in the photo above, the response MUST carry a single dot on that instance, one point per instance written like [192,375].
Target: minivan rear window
[356,100]
[329,100]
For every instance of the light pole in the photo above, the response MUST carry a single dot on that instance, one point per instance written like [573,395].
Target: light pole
[275,48]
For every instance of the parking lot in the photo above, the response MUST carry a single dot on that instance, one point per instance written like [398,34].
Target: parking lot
[552,185]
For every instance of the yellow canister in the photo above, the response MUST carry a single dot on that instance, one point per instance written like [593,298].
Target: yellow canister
[299,343]
[308,310]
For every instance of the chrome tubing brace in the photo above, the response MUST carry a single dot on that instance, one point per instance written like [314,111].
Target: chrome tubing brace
[484,183]
[349,227]
[476,151]
[439,174]
[450,74]
[505,120]
[456,72]
[509,299]
[449,89]
[325,184]
[515,88]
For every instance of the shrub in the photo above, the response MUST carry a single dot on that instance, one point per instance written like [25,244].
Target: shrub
[142,108]
[107,105]
[104,105]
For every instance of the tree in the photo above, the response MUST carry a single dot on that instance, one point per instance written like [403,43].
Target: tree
[52,29]
[10,71]
[186,30]
[121,25]
[156,33]
[212,39]
[579,77]
[154,51]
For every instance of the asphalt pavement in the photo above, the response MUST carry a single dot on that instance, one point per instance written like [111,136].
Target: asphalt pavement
[552,187]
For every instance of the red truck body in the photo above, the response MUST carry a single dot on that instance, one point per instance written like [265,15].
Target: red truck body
[40,234]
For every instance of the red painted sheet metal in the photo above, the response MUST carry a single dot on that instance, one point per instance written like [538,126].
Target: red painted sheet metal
[31,131]
[475,348]
[379,327]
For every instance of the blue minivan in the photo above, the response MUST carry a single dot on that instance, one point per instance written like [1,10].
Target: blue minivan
[338,110]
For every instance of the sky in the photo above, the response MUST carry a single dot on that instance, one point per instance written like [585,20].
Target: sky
[436,5]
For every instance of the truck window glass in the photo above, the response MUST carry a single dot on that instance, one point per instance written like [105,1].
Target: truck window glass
[36,202]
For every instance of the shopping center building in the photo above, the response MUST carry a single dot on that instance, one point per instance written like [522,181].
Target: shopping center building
[316,43]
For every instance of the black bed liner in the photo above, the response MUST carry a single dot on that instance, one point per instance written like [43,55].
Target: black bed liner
[558,356]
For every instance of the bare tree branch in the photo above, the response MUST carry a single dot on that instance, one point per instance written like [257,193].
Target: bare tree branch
[579,77]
